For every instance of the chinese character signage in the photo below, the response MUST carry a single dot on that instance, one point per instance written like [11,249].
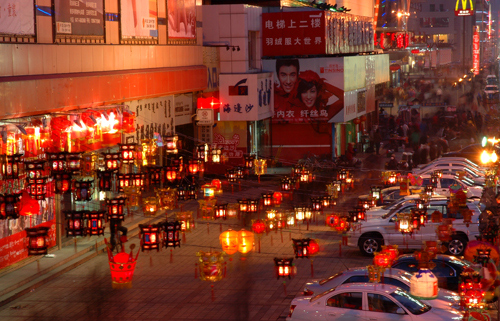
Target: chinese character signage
[392,40]
[81,18]
[293,33]
[475,52]
[138,19]
[17,17]
[307,90]
[246,97]
[183,109]
[464,8]
[155,115]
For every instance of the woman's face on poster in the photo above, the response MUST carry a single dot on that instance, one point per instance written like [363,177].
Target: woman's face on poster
[309,97]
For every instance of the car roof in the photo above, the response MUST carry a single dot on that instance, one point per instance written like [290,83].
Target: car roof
[379,287]
[440,257]
[363,270]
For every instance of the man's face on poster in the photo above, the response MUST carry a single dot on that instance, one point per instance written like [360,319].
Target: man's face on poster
[287,76]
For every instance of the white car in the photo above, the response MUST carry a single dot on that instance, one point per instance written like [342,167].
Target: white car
[404,204]
[367,301]
[490,89]
[445,299]
[447,180]
[475,174]
[452,160]
[391,194]
[370,235]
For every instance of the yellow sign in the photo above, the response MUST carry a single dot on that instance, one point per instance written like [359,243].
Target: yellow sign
[464,10]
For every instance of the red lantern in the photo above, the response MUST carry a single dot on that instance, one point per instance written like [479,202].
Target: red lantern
[220,211]
[332,220]
[267,199]
[217,183]
[301,247]
[356,121]
[283,267]
[10,205]
[10,166]
[193,167]
[445,230]
[258,227]
[122,268]
[37,244]
[277,198]
[37,188]
[317,204]
[115,208]
[127,153]
[111,161]
[313,247]
[171,173]
[382,259]
[171,234]
[82,190]
[28,206]
[105,180]
[95,222]
[343,225]
[75,223]
[150,237]
[57,162]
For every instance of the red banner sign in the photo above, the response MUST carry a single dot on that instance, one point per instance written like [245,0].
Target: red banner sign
[293,33]
[475,52]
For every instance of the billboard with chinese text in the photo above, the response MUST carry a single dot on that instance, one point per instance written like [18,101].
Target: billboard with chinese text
[181,19]
[138,19]
[307,90]
[475,52]
[17,17]
[80,18]
[246,97]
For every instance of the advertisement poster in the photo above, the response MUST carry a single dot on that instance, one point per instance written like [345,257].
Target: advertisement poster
[17,17]
[183,109]
[246,97]
[155,115]
[231,137]
[139,19]
[307,90]
[79,18]
[181,19]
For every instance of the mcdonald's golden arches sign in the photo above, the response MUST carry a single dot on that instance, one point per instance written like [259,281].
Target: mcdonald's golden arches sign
[464,8]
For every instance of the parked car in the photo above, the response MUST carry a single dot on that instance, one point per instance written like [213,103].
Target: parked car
[471,152]
[457,160]
[367,301]
[403,205]
[447,180]
[491,80]
[447,268]
[475,174]
[397,277]
[391,194]
[371,234]
[490,89]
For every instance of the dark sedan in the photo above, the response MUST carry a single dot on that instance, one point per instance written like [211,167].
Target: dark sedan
[447,269]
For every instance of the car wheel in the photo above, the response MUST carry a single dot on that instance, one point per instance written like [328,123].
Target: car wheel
[369,245]
[457,246]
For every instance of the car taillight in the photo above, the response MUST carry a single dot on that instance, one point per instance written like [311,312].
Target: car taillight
[292,307]
[307,292]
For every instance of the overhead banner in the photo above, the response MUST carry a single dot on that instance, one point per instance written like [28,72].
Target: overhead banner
[475,52]
[307,90]
[17,17]
[181,19]
[155,115]
[79,18]
[246,97]
[139,19]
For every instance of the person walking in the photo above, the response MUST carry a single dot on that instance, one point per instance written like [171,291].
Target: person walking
[377,139]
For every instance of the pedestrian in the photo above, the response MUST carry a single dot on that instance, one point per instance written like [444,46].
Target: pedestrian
[377,139]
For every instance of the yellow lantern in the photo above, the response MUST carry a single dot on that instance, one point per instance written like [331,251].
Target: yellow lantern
[150,206]
[374,273]
[229,241]
[185,219]
[133,194]
[210,266]
[260,167]
[245,241]
[148,152]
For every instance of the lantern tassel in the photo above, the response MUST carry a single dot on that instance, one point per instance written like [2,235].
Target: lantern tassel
[208,228]
[271,240]
[196,270]
[340,248]
[183,237]
[259,243]
[281,232]
[307,225]
[312,268]
[150,260]
[171,256]
[290,235]
[220,227]
[213,293]
[284,286]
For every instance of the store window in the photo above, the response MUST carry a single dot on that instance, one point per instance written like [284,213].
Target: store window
[259,136]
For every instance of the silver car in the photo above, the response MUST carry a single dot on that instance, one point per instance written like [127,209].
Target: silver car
[397,277]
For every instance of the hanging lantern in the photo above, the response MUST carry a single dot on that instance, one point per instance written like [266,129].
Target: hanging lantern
[62,183]
[366,204]
[420,204]
[424,285]
[105,181]
[483,256]
[73,162]
[138,180]
[171,173]
[88,164]
[280,220]
[150,206]
[290,219]
[429,189]
[445,230]
[301,247]
[434,179]
[306,176]
[391,251]
[436,217]
[37,240]
[317,204]
[95,222]
[361,213]
[154,174]
[327,201]
[267,199]
[10,166]
[418,218]
[181,193]
[313,247]
[83,191]
[229,241]
[75,223]
[171,235]
[171,146]
[287,184]
[470,290]
[193,166]
[185,218]
[166,198]
[353,216]
[220,211]
[300,213]
[332,220]
[240,172]
[375,192]
[57,162]
[231,175]
[115,208]
[34,170]
[210,265]
[192,192]
[202,152]
[208,191]
[382,260]
[403,223]
[133,194]
[374,273]
[37,188]
[342,174]
[283,267]
[10,205]
[271,214]
[127,153]
[122,266]
[249,162]
[404,185]
[149,151]
[111,161]
[124,180]
[258,227]
[216,155]
[260,167]
[277,198]
[343,225]
[245,241]
[217,184]
[150,237]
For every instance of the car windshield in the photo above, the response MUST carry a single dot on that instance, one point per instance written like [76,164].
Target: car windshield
[393,205]
[491,88]
[330,278]
[413,305]
[397,207]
